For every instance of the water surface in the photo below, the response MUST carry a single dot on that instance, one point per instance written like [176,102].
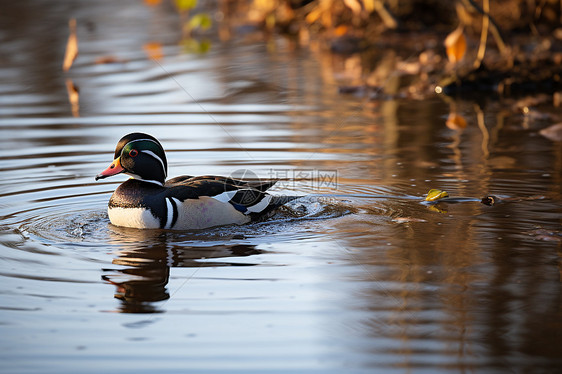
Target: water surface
[358,275]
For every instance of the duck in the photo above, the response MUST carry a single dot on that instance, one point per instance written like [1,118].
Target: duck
[148,201]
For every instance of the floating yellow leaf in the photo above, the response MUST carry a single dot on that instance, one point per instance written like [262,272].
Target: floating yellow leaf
[438,209]
[456,121]
[435,194]
[153,50]
[71,46]
[196,46]
[200,21]
[455,44]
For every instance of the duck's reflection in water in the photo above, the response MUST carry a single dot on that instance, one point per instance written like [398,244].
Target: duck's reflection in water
[146,256]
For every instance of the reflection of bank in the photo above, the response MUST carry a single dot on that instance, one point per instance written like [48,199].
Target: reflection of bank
[146,257]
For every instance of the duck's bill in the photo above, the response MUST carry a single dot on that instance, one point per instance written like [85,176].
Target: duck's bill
[114,168]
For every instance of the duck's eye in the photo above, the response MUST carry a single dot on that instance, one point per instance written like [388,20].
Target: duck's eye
[133,153]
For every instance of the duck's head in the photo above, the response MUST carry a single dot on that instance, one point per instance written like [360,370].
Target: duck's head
[140,156]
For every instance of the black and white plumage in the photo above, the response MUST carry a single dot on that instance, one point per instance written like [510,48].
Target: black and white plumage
[148,201]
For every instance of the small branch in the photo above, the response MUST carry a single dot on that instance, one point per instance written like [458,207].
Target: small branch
[494,29]
[387,18]
[483,35]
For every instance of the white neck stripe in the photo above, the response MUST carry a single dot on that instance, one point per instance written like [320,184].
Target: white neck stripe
[137,177]
[152,154]
[152,181]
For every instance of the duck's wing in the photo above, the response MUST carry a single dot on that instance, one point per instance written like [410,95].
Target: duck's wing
[261,185]
[177,180]
[246,197]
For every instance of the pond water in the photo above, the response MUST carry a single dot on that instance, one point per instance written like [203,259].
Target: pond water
[359,275]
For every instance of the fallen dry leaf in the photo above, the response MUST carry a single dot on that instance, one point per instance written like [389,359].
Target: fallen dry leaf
[71,46]
[455,44]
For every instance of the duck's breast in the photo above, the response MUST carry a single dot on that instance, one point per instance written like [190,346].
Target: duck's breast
[140,218]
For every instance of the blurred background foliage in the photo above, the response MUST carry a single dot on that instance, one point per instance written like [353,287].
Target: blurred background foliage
[461,45]
[372,17]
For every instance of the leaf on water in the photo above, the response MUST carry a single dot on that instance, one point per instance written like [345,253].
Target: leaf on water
[204,46]
[153,50]
[438,209]
[200,21]
[553,132]
[435,194]
[456,121]
[185,5]
[196,46]
[455,44]
[73,97]
[71,46]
